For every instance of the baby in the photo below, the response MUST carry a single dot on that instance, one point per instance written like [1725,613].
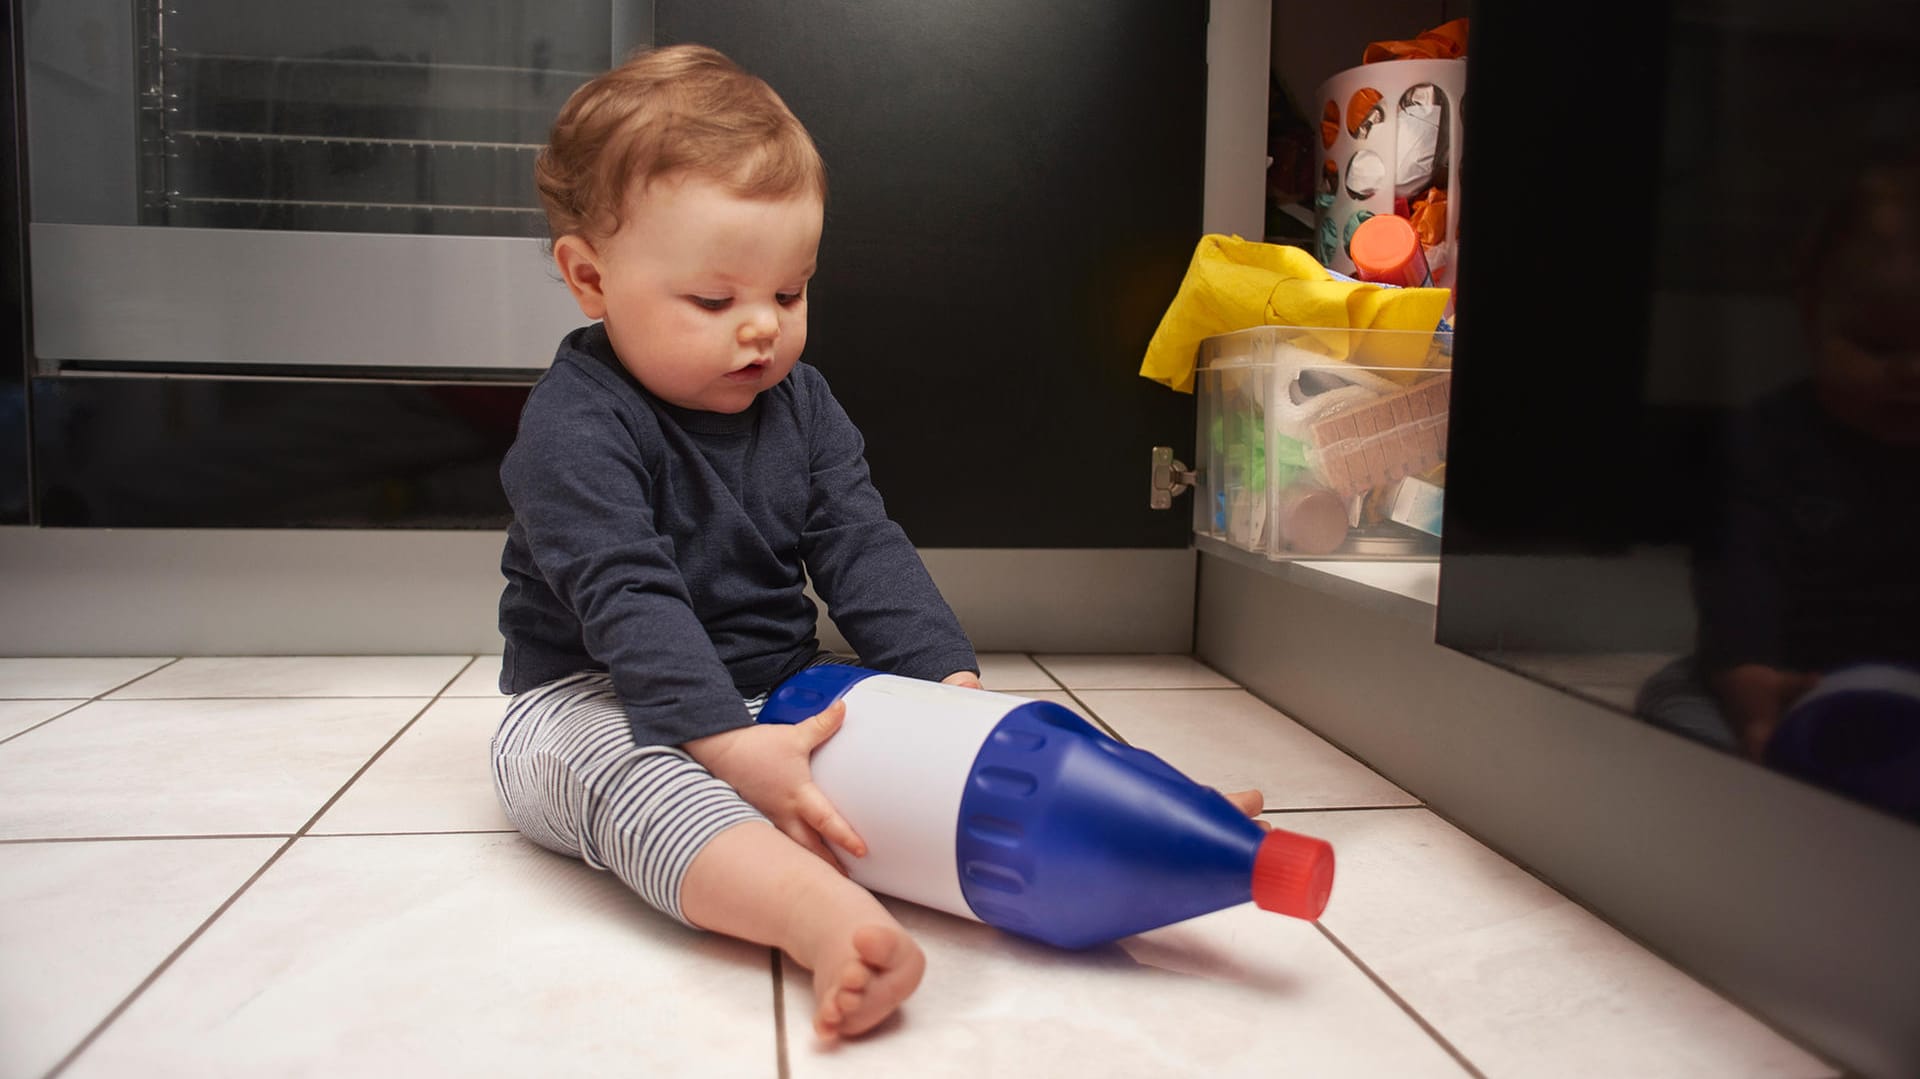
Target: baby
[677,478]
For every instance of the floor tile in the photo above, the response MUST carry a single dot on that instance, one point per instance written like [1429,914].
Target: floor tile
[17,716]
[1236,993]
[26,678]
[1232,740]
[1012,672]
[1060,697]
[480,679]
[459,955]
[204,767]
[298,676]
[1521,980]
[81,924]
[1132,672]
[436,777]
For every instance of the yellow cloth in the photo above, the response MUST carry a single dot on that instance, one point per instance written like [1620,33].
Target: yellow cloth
[1236,284]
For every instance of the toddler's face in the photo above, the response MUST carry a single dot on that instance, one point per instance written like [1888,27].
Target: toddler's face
[1866,317]
[704,293]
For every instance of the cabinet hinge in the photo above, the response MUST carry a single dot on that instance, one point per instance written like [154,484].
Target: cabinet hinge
[1170,477]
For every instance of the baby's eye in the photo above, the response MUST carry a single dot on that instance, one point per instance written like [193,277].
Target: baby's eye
[711,303]
[788,299]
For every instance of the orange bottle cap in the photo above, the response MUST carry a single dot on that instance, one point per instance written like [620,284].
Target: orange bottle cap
[1382,245]
[1293,874]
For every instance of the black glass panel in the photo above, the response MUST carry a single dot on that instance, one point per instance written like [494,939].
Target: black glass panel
[210,453]
[1686,443]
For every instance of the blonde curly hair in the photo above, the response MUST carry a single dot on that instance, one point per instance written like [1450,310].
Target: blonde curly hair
[681,109]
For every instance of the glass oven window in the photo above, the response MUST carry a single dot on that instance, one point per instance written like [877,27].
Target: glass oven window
[420,116]
[389,116]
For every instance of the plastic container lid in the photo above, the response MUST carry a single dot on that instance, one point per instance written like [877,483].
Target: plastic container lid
[1293,874]
[1382,245]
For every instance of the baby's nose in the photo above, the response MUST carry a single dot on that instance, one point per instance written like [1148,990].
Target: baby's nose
[759,326]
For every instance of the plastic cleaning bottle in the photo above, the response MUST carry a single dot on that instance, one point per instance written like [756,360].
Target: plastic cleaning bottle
[1021,814]
[1385,249]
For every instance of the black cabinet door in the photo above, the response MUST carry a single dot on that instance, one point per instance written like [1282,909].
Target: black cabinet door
[1016,191]
[1015,194]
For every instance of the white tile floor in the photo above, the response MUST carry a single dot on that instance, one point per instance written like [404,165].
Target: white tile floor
[295,866]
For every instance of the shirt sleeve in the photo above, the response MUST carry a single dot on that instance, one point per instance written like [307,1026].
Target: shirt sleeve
[581,491]
[862,564]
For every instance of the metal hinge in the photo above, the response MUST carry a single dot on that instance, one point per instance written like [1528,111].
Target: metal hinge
[1170,477]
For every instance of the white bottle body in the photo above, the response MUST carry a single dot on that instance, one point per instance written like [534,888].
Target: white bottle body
[897,770]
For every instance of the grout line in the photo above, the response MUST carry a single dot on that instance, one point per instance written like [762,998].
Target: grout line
[138,677]
[1109,728]
[1161,689]
[434,696]
[90,700]
[464,668]
[782,1068]
[1340,809]
[77,705]
[355,777]
[1095,716]
[436,831]
[1129,689]
[153,976]
[1035,659]
[167,963]
[144,838]
[1726,995]
[1075,697]
[1420,1020]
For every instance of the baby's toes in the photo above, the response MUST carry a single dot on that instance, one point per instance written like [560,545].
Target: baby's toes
[854,977]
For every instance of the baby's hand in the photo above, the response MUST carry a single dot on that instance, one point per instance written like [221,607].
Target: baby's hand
[1756,697]
[963,678]
[769,765]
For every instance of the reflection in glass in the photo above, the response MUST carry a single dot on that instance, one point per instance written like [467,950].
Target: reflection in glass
[1686,471]
[1809,644]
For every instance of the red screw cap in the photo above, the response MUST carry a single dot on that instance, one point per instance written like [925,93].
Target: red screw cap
[1293,874]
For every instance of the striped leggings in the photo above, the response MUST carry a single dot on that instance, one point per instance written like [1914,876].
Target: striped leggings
[571,778]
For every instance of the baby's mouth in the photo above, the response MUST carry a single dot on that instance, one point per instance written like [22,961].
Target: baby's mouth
[748,373]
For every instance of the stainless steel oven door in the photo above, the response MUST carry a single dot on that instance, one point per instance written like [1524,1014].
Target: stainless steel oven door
[261,185]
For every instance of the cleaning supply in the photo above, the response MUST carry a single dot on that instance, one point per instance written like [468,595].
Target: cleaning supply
[1235,284]
[1311,520]
[1409,150]
[1857,732]
[1020,814]
[1418,504]
[1385,249]
[1406,434]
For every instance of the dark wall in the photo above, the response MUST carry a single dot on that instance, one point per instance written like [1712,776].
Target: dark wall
[1016,190]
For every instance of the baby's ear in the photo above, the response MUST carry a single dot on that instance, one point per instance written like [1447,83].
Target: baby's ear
[579,266]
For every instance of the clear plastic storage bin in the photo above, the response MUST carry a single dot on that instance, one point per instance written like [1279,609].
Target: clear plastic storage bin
[1323,443]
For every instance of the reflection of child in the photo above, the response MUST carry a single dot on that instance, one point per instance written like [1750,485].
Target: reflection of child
[1814,568]
[677,479]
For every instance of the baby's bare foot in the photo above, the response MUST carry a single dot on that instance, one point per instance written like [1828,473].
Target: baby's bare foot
[857,986]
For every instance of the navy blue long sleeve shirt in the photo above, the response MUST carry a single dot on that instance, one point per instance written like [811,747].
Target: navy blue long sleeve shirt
[1811,565]
[672,547]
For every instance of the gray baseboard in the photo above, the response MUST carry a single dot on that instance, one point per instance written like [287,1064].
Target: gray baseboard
[92,592]
[1795,903]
